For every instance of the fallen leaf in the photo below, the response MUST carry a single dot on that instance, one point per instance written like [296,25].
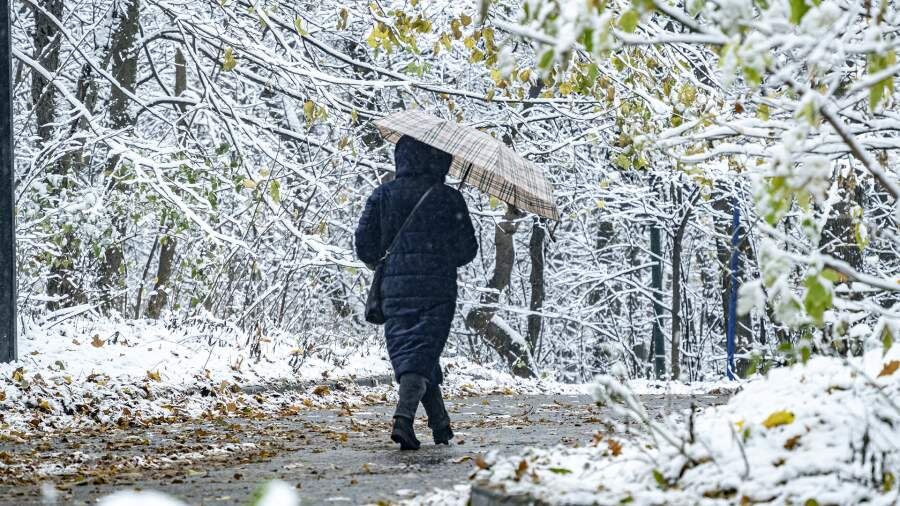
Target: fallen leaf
[792,443]
[778,418]
[96,342]
[2,395]
[889,368]
[19,374]
[154,375]
[523,467]
[322,390]
[480,463]
[560,470]
[614,447]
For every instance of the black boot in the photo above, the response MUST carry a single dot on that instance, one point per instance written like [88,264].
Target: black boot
[443,435]
[438,419]
[412,388]
[403,433]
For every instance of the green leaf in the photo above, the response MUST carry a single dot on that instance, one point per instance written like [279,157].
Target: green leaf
[695,7]
[762,112]
[546,59]
[560,470]
[275,190]
[660,479]
[799,8]
[818,297]
[629,20]
[887,340]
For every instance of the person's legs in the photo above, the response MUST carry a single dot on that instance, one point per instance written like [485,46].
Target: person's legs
[412,389]
[438,418]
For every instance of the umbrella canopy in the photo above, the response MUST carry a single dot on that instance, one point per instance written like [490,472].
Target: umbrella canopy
[478,159]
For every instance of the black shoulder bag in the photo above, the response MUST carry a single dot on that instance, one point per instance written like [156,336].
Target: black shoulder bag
[374,311]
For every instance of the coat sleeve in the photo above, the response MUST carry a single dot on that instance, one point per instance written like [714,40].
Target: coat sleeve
[465,233]
[368,231]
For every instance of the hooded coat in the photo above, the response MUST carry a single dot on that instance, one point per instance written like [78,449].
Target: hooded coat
[419,284]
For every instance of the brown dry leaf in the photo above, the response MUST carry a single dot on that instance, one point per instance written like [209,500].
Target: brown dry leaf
[96,342]
[889,368]
[76,342]
[2,395]
[308,403]
[290,410]
[481,463]
[614,447]
[521,469]
[19,374]
[462,459]
[792,443]
[154,375]
[322,390]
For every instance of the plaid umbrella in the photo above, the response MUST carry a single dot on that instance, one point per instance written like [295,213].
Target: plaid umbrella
[478,159]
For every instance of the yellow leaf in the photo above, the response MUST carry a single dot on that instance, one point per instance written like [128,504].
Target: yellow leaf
[18,375]
[778,418]
[44,405]
[494,202]
[228,62]
[466,19]
[309,110]
[154,375]
[889,368]
[249,183]
[601,204]
[96,342]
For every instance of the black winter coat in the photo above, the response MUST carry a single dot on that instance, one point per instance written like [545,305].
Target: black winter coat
[419,284]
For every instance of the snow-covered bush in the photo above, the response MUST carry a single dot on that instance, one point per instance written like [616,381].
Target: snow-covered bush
[822,433]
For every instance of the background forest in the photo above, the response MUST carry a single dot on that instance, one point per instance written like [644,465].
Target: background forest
[207,161]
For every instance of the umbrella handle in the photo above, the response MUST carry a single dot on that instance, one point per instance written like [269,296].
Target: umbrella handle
[465,175]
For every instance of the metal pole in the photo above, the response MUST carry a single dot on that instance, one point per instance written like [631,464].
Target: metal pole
[7,197]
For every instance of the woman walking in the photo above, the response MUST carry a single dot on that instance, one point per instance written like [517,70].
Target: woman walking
[419,279]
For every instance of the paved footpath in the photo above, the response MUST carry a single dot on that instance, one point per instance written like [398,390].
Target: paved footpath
[339,456]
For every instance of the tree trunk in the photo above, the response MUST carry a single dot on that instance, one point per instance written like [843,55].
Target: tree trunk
[160,297]
[124,68]
[481,318]
[659,346]
[62,287]
[536,279]
[677,247]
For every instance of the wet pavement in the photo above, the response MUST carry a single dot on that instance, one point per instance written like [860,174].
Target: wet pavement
[334,456]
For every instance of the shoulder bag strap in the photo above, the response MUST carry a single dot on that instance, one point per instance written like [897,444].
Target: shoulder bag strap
[408,219]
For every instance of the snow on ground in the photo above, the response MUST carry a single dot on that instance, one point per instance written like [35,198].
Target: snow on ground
[82,371]
[827,432]
[273,493]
